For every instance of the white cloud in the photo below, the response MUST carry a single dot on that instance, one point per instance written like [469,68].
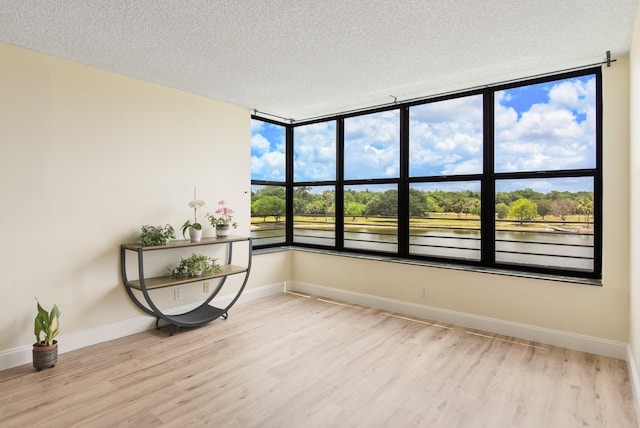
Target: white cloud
[556,134]
[259,144]
[269,166]
[372,144]
[446,137]
[315,152]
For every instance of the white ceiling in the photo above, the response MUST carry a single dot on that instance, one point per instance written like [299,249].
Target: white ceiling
[304,58]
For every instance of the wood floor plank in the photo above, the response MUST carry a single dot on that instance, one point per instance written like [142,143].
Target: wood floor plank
[296,361]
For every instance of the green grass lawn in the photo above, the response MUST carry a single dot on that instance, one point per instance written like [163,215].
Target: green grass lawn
[444,220]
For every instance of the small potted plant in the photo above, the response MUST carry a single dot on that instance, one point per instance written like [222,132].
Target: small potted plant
[222,220]
[195,265]
[195,228]
[156,235]
[46,328]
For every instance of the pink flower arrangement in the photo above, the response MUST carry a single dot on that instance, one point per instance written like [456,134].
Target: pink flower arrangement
[222,215]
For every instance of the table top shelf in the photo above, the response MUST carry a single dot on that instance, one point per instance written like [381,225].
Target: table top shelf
[181,243]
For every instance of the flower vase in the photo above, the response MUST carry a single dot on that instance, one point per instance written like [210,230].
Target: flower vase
[195,235]
[223,230]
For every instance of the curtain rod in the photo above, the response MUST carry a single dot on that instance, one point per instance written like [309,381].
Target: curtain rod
[395,101]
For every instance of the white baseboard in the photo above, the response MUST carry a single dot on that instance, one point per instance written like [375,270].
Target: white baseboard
[634,379]
[68,342]
[563,339]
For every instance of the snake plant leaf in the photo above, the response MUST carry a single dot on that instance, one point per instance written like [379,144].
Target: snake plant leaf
[54,324]
[37,327]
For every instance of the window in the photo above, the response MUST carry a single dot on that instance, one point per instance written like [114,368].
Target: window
[268,178]
[445,219]
[549,129]
[445,140]
[371,217]
[314,215]
[314,152]
[446,137]
[372,146]
[268,215]
[552,227]
[503,177]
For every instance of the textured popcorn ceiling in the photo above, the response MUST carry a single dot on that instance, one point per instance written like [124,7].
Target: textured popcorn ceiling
[305,58]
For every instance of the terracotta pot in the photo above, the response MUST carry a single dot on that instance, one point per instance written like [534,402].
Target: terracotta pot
[45,357]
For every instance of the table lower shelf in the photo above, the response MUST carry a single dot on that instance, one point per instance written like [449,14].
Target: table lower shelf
[196,317]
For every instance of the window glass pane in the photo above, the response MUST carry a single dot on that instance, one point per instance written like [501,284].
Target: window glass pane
[267,151]
[547,126]
[446,137]
[314,152]
[314,215]
[445,219]
[268,208]
[371,217]
[372,146]
[547,223]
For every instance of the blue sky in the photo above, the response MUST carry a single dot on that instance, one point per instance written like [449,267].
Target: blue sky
[267,151]
[538,127]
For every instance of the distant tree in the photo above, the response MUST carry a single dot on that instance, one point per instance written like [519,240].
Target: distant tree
[269,206]
[471,206]
[417,203]
[502,210]
[315,207]
[527,193]
[278,191]
[328,198]
[385,204]
[584,205]
[524,209]
[354,209]
[432,205]
[301,192]
[544,208]
[504,198]
[563,208]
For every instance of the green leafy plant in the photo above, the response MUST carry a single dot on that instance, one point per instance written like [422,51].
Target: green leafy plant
[46,325]
[195,265]
[187,225]
[156,235]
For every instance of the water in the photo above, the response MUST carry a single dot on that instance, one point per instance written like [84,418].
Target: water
[547,249]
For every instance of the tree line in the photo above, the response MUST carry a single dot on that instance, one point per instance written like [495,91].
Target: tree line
[522,205]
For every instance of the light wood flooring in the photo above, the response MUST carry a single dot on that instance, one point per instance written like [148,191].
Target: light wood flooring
[294,361]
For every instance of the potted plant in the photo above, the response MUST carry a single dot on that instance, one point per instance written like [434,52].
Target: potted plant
[195,265]
[156,235]
[46,328]
[195,228]
[222,220]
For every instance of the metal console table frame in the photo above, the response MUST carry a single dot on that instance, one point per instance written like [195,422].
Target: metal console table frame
[205,312]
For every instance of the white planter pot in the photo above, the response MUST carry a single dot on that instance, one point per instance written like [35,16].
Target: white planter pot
[195,235]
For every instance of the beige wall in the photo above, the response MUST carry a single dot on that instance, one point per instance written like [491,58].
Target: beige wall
[86,157]
[634,195]
[601,312]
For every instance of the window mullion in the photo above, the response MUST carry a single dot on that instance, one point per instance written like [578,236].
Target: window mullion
[289,185]
[487,185]
[339,216]
[403,185]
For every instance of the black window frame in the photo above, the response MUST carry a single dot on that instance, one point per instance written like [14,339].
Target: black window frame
[487,178]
